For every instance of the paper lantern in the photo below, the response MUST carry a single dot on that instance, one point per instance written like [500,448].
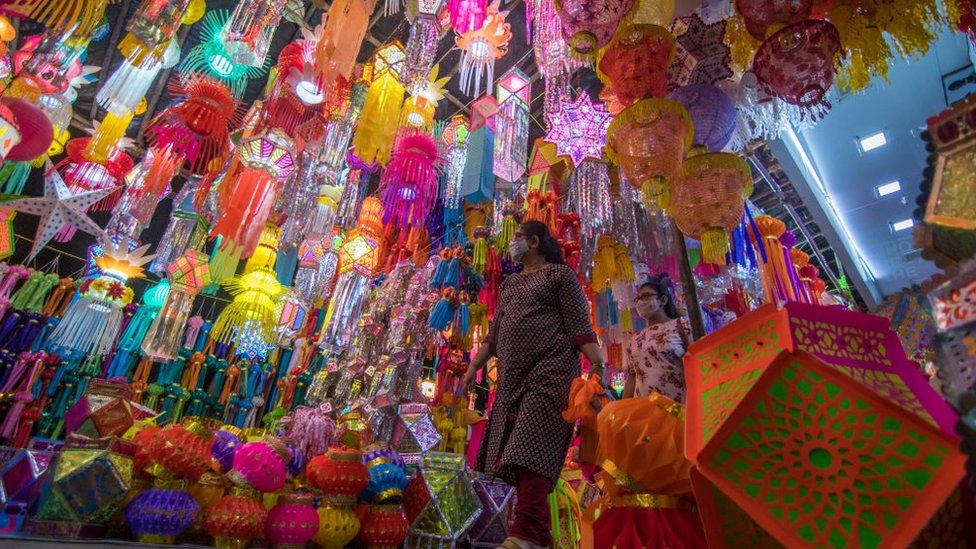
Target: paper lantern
[373,139]
[146,184]
[497,506]
[260,465]
[414,433]
[467,15]
[409,183]
[383,526]
[421,48]
[183,451]
[338,526]
[477,176]
[760,15]
[578,129]
[440,500]
[701,56]
[158,515]
[480,48]
[292,521]
[103,410]
[589,26]
[34,128]
[235,519]
[210,55]
[648,140]
[513,94]
[250,29]
[797,63]
[340,37]
[726,525]
[953,133]
[712,112]
[905,466]
[636,62]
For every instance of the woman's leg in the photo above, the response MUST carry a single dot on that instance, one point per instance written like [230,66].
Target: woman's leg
[532,521]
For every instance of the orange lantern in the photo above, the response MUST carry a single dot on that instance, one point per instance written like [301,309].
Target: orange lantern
[706,200]
[636,63]
[775,274]
[648,140]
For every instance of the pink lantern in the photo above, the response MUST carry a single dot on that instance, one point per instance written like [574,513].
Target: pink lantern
[589,25]
[292,522]
[409,183]
[36,131]
[797,63]
[578,129]
[467,15]
[260,466]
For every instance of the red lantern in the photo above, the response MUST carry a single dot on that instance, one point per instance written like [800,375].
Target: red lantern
[759,15]
[183,451]
[235,519]
[383,527]
[636,62]
[797,63]
[339,473]
[143,441]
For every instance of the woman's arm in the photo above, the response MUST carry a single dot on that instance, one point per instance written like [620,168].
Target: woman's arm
[630,386]
[593,353]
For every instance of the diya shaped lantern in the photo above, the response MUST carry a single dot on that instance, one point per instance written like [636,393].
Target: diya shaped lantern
[635,64]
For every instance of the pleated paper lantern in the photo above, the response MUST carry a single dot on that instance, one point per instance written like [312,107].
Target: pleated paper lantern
[409,183]
[711,110]
[589,25]
[378,122]
[760,15]
[797,63]
[636,62]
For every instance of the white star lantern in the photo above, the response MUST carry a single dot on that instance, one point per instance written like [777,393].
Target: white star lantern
[58,207]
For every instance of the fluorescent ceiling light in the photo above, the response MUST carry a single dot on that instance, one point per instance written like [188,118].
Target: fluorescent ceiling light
[902,225]
[888,188]
[873,141]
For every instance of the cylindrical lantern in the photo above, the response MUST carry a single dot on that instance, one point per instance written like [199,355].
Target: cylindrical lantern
[248,34]
[189,274]
[292,522]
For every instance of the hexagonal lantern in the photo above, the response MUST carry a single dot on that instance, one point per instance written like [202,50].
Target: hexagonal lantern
[440,501]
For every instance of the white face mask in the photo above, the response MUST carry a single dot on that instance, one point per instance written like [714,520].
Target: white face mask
[517,248]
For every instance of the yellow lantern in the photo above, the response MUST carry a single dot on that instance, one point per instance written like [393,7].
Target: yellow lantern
[378,123]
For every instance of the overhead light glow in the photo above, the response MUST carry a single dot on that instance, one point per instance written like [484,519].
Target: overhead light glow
[221,65]
[309,92]
[902,225]
[888,188]
[873,141]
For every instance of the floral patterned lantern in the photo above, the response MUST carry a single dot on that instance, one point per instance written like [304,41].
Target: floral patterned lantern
[797,63]
[589,25]
[578,129]
[712,111]
[706,200]
[636,62]
[760,15]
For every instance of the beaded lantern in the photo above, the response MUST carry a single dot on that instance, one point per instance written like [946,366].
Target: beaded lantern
[512,125]
[378,123]
[588,25]
[409,183]
[706,200]
[480,48]
[760,15]
[796,64]
[648,140]
[635,64]
[712,112]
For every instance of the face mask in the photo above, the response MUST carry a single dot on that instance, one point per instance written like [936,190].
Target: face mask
[517,248]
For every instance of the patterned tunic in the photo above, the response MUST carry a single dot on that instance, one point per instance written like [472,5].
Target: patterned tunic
[542,318]
[654,358]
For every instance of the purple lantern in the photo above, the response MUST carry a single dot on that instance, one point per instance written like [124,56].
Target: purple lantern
[222,450]
[712,111]
[297,463]
[159,515]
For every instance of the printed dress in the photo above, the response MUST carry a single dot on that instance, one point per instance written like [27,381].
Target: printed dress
[654,358]
[541,321]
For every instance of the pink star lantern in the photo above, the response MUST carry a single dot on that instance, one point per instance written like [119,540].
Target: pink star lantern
[578,129]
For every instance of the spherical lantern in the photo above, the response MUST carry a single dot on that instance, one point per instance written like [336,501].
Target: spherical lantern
[207,490]
[339,474]
[36,131]
[761,16]
[235,519]
[648,140]
[222,450]
[588,25]
[711,110]
[158,515]
[386,483]
[636,63]
[292,522]
[797,63]
[183,451]
[260,465]
[338,526]
[706,201]
[383,526]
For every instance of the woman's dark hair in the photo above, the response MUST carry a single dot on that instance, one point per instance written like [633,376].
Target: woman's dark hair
[548,246]
[662,285]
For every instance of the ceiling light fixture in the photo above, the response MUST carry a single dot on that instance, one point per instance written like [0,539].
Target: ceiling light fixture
[888,188]
[902,225]
[873,141]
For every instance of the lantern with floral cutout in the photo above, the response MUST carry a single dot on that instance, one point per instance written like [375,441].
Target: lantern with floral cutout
[589,25]
[636,62]
[760,15]
[796,64]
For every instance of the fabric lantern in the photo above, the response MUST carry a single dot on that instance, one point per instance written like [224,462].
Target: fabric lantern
[373,139]
[796,64]
[409,183]
[706,200]
[34,127]
[589,26]
[235,519]
[578,129]
[189,274]
[225,443]
[182,451]
[158,515]
[292,522]
[340,37]
[480,48]
[712,112]
[760,15]
[512,125]
[648,140]
[251,27]
[338,526]
[210,56]
[635,64]
[260,465]
[339,474]
[421,48]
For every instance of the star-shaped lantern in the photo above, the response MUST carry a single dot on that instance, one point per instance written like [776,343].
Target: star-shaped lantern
[58,207]
[578,129]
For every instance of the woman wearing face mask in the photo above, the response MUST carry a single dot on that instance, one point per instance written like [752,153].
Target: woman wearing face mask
[654,354]
[541,325]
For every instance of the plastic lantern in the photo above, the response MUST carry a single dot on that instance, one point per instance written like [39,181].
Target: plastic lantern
[421,48]
[292,522]
[467,15]
[251,27]
[480,48]
[712,112]
[588,25]
[512,125]
[454,135]
[210,55]
[636,62]
[188,275]
[235,519]
[760,15]
[648,140]
[579,129]
[183,451]
[409,183]
[340,37]
[34,127]
[158,515]
[706,200]
[373,139]
[383,526]
[260,465]
[78,17]
[797,63]
[775,275]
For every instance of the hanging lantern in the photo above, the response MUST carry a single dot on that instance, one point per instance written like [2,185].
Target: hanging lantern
[210,56]
[467,15]
[635,64]
[373,139]
[454,134]
[183,451]
[146,185]
[409,183]
[340,37]
[797,63]
[188,275]
[155,22]
[419,108]
[128,84]
[712,112]
[421,48]
[589,25]
[578,129]
[62,16]
[480,48]
[512,125]
[648,140]
[184,231]
[82,173]
[706,200]
[248,34]
[478,178]
[760,15]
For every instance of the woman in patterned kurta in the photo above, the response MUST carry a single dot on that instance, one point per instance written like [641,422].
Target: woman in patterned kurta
[541,325]
[653,355]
